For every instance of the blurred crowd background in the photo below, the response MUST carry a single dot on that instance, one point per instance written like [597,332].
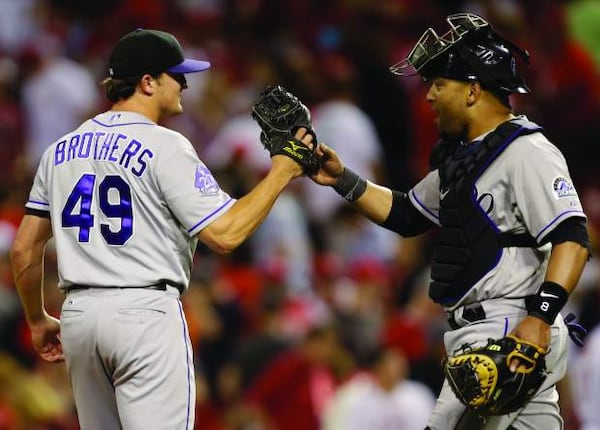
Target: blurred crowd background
[322,319]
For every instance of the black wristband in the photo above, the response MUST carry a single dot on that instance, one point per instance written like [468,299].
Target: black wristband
[548,301]
[349,185]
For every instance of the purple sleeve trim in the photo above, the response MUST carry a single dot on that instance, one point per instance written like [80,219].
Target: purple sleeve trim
[554,222]
[423,209]
[38,203]
[210,215]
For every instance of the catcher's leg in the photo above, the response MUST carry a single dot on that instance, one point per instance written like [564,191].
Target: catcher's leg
[542,412]
[463,419]
[470,421]
[448,411]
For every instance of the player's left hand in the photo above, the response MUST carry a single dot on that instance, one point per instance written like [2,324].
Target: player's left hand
[45,337]
[280,114]
[303,136]
[482,379]
[532,330]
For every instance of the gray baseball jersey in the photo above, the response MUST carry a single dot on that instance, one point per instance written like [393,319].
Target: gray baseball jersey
[126,198]
[527,188]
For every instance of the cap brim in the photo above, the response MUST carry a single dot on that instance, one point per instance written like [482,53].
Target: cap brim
[189,66]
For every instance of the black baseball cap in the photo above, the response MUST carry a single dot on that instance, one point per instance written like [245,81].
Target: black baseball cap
[150,51]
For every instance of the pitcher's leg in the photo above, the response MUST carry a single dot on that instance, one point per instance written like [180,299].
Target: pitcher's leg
[155,382]
[92,388]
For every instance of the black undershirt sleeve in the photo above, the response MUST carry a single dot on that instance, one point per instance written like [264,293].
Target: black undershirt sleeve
[36,212]
[404,218]
[570,230]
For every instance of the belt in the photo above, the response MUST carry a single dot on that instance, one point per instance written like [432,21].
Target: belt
[470,313]
[474,312]
[162,286]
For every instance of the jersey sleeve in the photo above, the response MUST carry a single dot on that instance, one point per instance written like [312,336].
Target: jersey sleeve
[543,189]
[189,188]
[425,196]
[39,199]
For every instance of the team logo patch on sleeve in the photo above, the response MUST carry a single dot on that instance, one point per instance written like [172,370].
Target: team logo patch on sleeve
[562,187]
[204,180]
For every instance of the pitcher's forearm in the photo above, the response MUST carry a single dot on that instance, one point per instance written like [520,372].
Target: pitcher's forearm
[232,228]
[28,280]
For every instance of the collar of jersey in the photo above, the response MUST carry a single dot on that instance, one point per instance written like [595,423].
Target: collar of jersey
[479,138]
[121,118]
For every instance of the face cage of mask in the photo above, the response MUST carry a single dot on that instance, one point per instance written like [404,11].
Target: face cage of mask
[430,45]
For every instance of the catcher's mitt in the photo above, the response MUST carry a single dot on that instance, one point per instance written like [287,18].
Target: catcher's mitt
[481,378]
[279,114]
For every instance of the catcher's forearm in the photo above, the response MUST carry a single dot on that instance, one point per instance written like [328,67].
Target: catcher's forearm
[566,264]
[232,228]
[388,208]
[375,203]
[562,274]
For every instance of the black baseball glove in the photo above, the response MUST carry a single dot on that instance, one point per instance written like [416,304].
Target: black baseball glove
[482,380]
[279,114]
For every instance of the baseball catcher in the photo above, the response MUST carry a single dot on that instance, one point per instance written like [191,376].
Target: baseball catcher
[279,114]
[482,378]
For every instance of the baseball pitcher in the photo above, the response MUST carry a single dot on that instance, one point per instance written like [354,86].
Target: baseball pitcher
[126,201]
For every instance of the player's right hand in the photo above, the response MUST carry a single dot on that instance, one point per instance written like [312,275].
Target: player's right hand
[330,168]
[532,330]
[45,337]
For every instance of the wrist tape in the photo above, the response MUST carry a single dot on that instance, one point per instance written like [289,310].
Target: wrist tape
[349,185]
[548,301]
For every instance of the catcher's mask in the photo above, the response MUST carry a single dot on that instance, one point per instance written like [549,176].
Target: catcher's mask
[470,51]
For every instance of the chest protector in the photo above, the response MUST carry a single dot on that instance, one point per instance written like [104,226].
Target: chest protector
[469,244]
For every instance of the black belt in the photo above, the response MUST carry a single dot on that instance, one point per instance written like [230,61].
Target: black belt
[162,286]
[470,313]
[475,312]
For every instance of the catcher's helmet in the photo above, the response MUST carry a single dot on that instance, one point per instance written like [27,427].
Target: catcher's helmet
[470,51]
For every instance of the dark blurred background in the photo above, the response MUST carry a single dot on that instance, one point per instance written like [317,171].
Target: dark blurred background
[321,316]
